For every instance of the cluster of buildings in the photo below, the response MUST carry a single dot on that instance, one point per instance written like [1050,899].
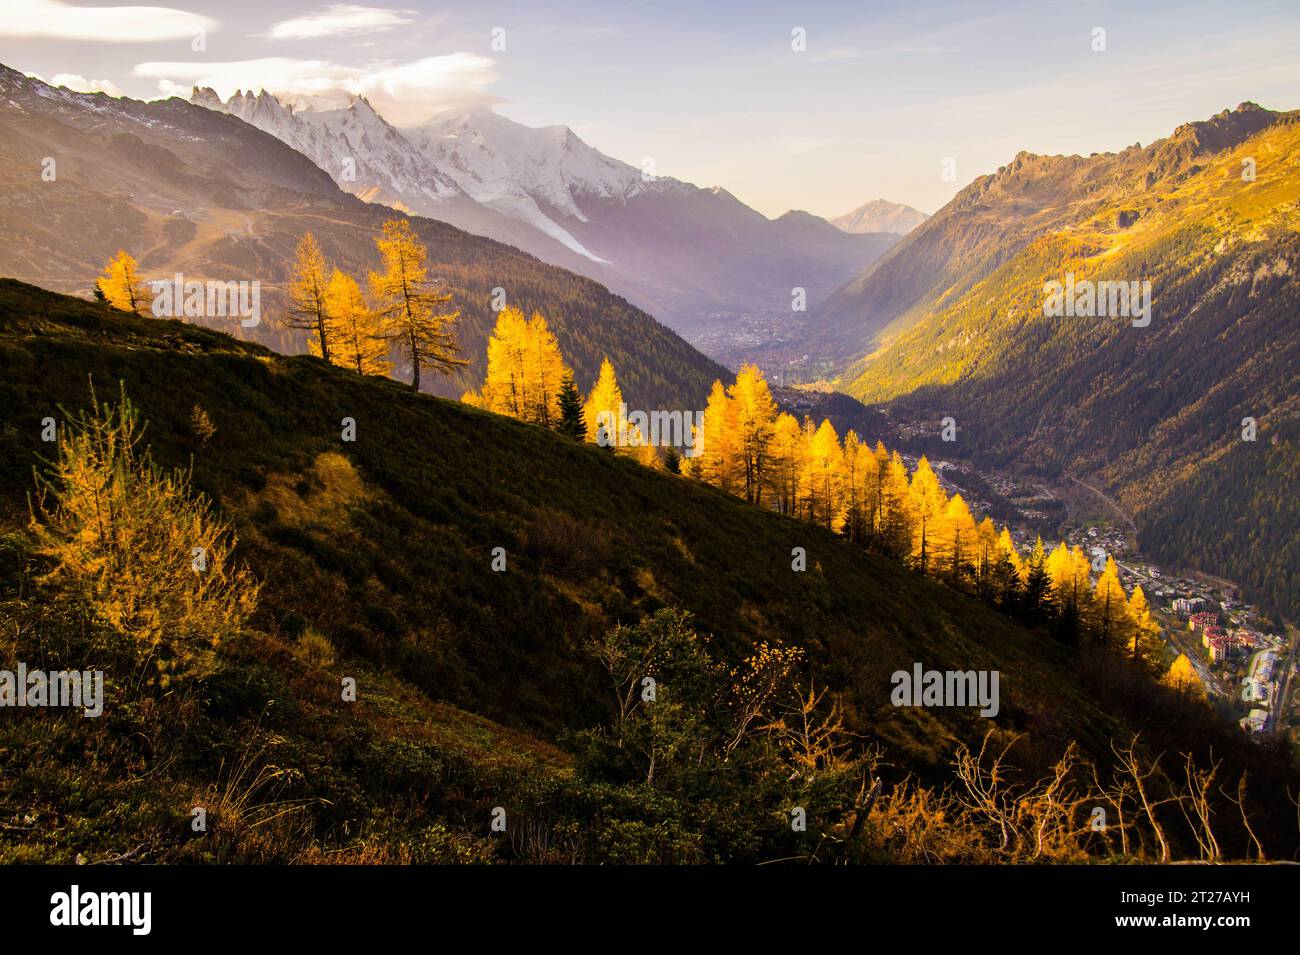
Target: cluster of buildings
[1111,540]
[1220,643]
[944,471]
[1223,644]
[1257,689]
[1234,640]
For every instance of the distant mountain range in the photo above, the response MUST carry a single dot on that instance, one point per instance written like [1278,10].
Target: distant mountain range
[190,190]
[686,254]
[879,215]
[951,322]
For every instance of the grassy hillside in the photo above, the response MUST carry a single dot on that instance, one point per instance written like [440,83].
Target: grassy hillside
[472,683]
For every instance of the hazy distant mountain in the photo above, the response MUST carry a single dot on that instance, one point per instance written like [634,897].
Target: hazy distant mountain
[686,254]
[998,215]
[880,215]
[190,190]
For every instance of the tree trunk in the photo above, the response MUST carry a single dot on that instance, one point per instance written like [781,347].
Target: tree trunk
[415,363]
[320,331]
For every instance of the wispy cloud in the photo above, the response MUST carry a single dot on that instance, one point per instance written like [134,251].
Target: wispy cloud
[79,84]
[404,93]
[54,20]
[340,20]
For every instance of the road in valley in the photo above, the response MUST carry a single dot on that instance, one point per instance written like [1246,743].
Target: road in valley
[1279,720]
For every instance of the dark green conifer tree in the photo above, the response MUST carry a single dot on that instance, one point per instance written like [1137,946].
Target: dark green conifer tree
[572,422]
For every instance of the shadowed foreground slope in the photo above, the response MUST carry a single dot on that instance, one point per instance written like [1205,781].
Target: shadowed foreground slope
[374,557]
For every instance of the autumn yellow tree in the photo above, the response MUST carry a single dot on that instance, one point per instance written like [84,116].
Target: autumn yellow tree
[525,370]
[1183,678]
[503,387]
[857,462]
[984,558]
[720,459]
[121,285]
[824,473]
[1009,571]
[896,515]
[870,472]
[1109,619]
[754,416]
[786,466]
[141,549]
[605,396]
[309,296]
[1060,570]
[604,413]
[410,307]
[355,330]
[547,372]
[1145,645]
[929,502]
[1008,547]
[956,539]
[1070,574]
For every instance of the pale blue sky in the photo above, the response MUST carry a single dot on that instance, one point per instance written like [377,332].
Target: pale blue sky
[713,92]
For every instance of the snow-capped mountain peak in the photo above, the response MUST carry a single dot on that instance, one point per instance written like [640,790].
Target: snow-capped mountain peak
[353,143]
[476,156]
[494,158]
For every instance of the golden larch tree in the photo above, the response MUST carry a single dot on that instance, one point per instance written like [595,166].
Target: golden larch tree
[720,459]
[984,556]
[546,372]
[1109,612]
[857,460]
[896,518]
[309,296]
[929,502]
[786,466]
[121,285]
[754,412]
[956,539]
[602,412]
[1070,575]
[824,467]
[525,369]
[506,385]
[1145,645]
[409,307]
[605,396]
[1182,677]
[1083,581]
[356,332]
[143,551]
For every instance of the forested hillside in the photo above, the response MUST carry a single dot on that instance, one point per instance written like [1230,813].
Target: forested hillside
[1154,409]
